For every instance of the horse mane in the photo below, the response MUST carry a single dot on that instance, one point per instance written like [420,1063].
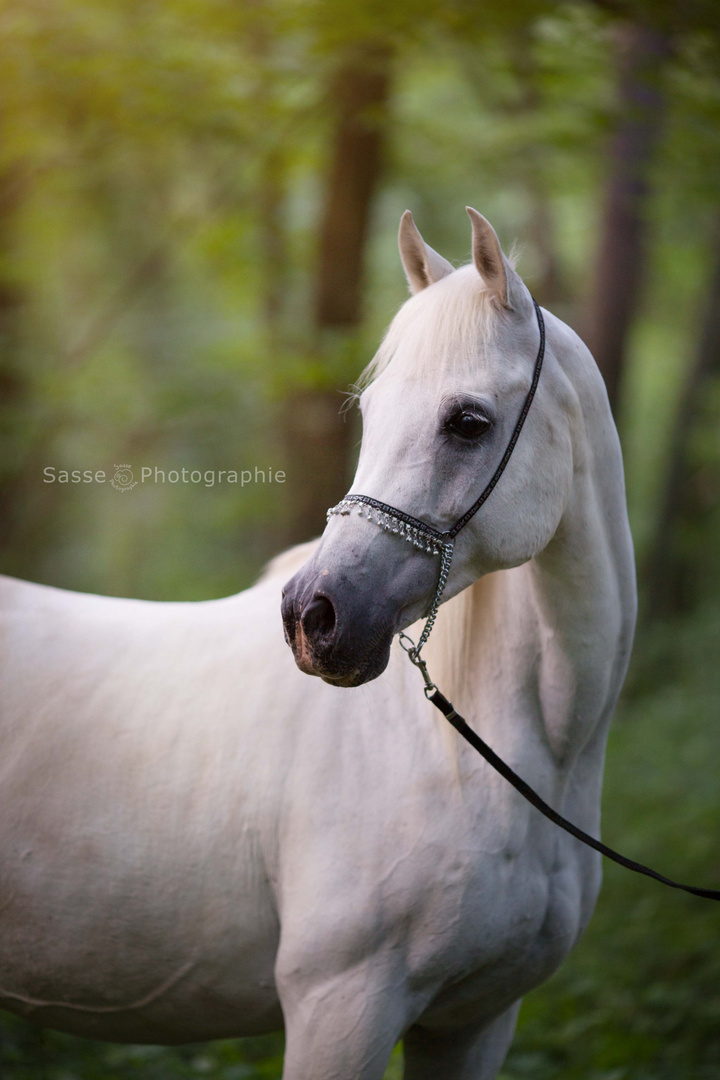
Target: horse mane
[451,652]
[439,331]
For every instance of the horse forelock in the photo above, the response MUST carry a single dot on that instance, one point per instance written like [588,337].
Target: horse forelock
[440,331]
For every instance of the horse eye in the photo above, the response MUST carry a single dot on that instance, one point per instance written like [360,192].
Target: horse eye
[468,423]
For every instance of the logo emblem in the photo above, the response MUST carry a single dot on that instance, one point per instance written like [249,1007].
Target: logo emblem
[123,478]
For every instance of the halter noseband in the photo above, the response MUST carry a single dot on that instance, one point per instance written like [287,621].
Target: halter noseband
[425,536]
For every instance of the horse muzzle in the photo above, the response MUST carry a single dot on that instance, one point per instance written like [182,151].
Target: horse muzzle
[342,608]
[327,642]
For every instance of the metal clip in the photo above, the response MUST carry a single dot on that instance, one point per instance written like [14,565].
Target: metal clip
[411,649]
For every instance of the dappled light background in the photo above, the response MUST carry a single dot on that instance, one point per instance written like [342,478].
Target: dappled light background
[199,202]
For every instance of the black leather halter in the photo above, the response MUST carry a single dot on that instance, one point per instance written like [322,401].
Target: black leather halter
[421,534]
[425,530]
[435,542]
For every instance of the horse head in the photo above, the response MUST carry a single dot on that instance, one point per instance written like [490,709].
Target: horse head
[440,403]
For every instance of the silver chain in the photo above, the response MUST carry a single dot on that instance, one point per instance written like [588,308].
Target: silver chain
[407,643]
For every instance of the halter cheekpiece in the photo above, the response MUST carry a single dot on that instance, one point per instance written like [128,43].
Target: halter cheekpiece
[424,536]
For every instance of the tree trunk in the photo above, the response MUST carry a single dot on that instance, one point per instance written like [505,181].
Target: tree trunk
[621,260]
[13,380]
[273,240]
[318,442]
[272,174]
[669,590]
[360,93]
[548,284]
[318,438]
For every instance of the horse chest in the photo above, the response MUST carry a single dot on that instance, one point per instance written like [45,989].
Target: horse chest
[511,927]
[488,898]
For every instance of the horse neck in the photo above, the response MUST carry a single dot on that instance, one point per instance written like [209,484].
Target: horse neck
[543,648]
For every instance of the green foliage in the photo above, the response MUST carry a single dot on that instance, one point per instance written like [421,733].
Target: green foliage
[29,1053]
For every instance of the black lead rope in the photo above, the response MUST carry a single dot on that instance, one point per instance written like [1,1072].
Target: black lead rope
[435,542]
[464,729]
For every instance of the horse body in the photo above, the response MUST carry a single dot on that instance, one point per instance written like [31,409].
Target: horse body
[125,778]
[199,841]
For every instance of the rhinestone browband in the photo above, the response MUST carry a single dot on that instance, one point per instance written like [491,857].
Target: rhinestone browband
[421,535]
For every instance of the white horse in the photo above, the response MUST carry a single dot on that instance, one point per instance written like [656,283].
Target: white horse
[198,840]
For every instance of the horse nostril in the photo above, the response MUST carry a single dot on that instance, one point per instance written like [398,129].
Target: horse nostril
[318,618]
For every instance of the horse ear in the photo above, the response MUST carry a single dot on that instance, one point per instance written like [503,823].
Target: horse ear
[422,265]
[492,266]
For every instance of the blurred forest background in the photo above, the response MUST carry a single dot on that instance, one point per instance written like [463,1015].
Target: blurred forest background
[198,210]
